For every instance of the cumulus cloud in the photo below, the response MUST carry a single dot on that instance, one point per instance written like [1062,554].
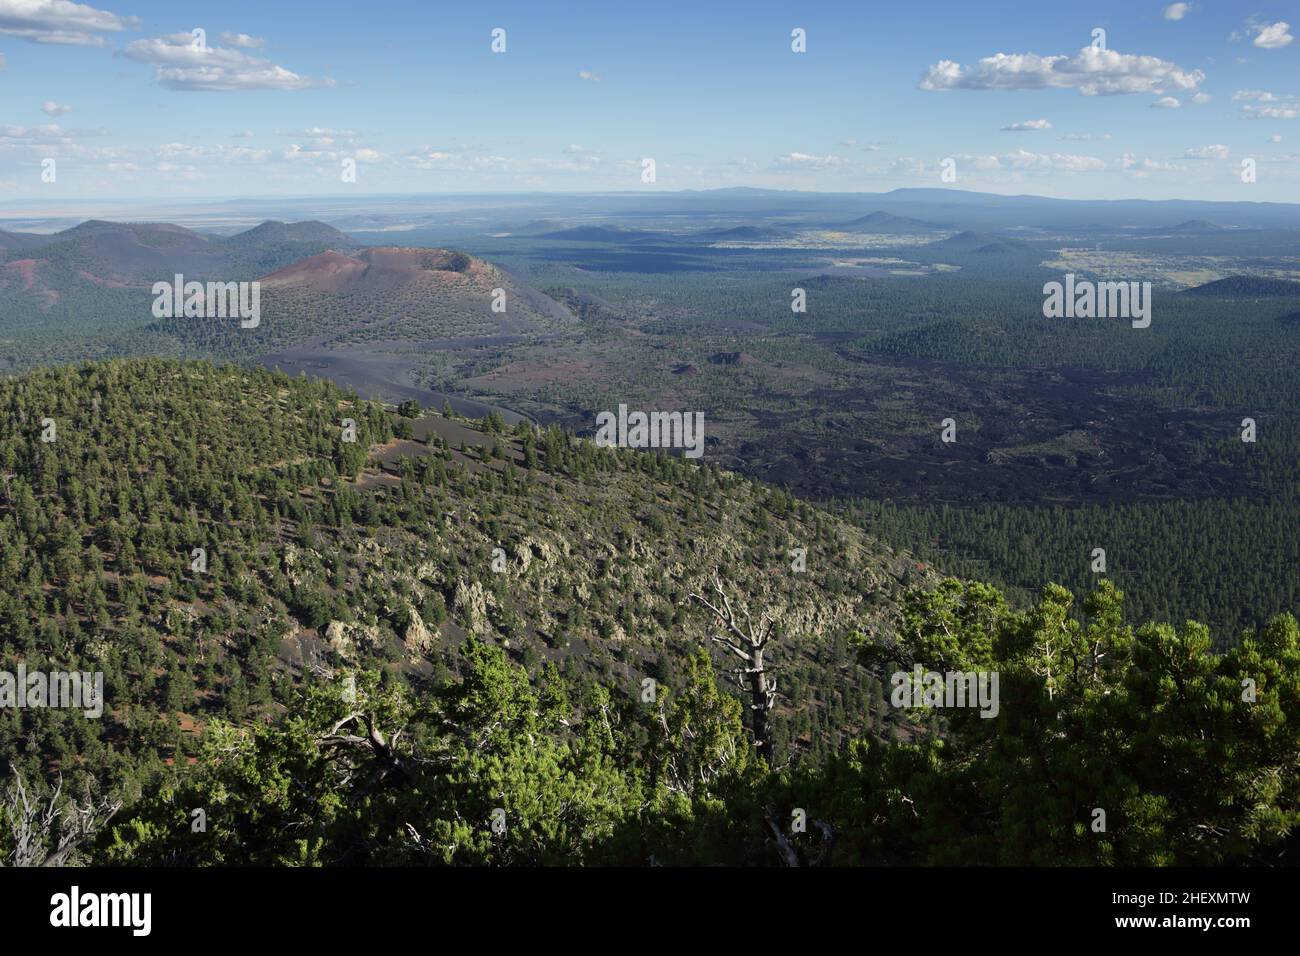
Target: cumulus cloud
[1176,11]
[45,133]
[1142,168]
[1091,71]
[1274,36]
[60,22]
[1065,162]
[242,40]
[1217,151]
[1026,126]
[51,108]
[808,161]
[173,155]
[589,76]
[1271,112]
[1085,137]
[1166,103]
[1275,138]
[322,137]
[465,160]
[180,64]
[1023,161]
[1275,106]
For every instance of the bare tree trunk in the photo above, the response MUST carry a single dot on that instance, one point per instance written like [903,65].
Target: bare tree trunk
[49,832]
[748,642]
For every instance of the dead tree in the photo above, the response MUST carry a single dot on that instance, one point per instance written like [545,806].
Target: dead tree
[47,832]
[748,642]
[371,743]
[789,853]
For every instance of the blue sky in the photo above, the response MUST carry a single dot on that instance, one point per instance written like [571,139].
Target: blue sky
[281,94]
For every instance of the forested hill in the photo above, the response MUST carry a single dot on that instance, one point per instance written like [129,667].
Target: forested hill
[322,553]
[446,642]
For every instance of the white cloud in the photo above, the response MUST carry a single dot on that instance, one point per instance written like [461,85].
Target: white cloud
[1275,138]
[808,161]
[1143,168]
[180,65]
[1022,160]
[1026,126]
[243,40]
[1064,162]
[45,133]
[907,166]
[174,154]
[1092,72]
[51,108]
[1085,137]
[1199,98]
[1288,112]
[1166,103]
[1280,105]
[589,76]
[322,137]
[1176,11]
[60,22]
[1217,151]
[464,160]
[1274,36]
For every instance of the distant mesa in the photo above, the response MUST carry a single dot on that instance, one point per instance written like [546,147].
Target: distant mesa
[884,223]
[1246,287]
[686,368]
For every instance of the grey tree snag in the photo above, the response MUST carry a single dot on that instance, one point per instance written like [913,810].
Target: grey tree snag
[49,831]
[748,642]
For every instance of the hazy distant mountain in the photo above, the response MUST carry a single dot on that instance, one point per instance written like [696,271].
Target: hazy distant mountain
[108,267]
[884,223]
[142,253]
[741,233]
[1246,287]
[979,243]
[21,240]
[273,231]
